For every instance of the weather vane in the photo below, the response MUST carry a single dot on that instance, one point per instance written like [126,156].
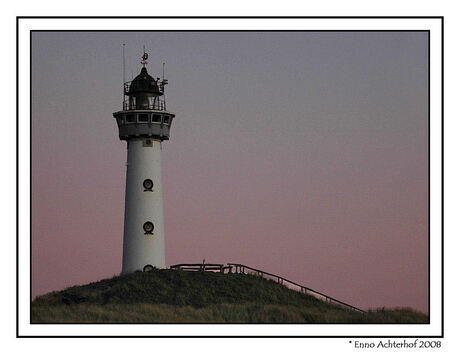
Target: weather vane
[145,56]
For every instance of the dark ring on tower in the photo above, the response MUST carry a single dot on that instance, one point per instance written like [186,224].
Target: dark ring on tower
[147,268]
[148,185]
[148,227]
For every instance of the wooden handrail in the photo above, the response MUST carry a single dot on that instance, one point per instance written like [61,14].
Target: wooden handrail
[240,268]
[302,287]
[200,267]
[197,264]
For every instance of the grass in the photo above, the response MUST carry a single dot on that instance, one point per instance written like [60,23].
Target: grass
[173,296]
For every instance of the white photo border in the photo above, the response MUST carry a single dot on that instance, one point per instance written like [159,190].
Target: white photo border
[434,25]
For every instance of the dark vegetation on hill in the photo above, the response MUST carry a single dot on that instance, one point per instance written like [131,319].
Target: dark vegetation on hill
[169,296]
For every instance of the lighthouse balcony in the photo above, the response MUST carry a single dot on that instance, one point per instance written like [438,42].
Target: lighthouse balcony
[144,123]
[144,103]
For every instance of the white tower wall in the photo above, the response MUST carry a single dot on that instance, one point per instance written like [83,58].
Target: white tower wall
[141,249]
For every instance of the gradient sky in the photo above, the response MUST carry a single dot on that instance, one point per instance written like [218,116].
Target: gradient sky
[303,154]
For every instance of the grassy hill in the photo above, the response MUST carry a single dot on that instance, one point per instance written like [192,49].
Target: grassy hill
[175,296]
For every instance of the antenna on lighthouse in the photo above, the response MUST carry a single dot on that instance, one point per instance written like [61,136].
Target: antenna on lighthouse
[163,71]
[124,74]
[124,66]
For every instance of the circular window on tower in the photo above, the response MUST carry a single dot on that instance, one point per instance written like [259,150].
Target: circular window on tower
[148,227]
[148,185]
[147,268]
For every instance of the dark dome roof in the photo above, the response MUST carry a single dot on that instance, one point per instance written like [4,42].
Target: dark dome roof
[144,83]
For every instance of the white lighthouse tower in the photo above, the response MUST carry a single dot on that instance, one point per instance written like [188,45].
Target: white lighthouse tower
[144,123]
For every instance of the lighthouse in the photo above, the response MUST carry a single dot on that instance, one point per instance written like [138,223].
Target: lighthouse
[144,123]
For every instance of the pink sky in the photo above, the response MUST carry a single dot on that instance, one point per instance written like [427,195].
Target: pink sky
[302,154]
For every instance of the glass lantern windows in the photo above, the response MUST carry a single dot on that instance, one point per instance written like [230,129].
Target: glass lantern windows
[143,118]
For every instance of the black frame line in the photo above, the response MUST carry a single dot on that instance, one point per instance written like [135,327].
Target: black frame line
[442,177]
[346,30]
[18,18]
[17,177]
[230,17]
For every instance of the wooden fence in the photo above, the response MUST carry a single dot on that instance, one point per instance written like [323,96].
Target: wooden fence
[244,269]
